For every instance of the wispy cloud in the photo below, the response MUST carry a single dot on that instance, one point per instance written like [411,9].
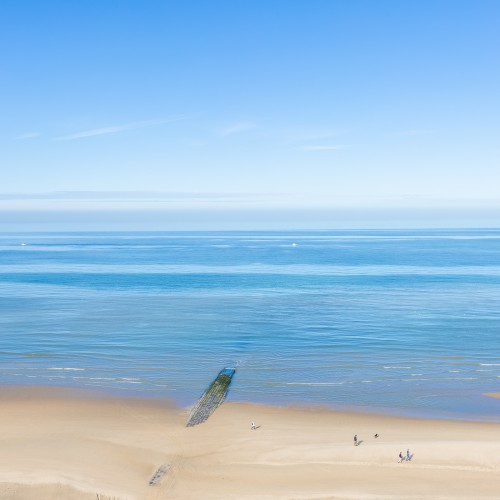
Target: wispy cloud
[309,135]
[145,196]
[93,132]
[237,128]
[333,147]
[116,129]
[29,135]
[413,133]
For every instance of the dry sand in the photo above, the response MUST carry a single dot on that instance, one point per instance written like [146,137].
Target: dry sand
[57,444]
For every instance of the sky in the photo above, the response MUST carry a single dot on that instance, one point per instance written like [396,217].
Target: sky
[245,115]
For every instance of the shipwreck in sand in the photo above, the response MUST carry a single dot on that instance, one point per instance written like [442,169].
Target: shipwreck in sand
[212,398]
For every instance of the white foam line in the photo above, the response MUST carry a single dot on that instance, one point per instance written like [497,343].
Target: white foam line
[314,383]
[461,378]
[67,369]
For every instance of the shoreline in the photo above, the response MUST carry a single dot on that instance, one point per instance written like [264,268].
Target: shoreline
[405,413]
[73,444]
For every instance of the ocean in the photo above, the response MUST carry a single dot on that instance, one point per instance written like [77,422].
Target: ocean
[398,321]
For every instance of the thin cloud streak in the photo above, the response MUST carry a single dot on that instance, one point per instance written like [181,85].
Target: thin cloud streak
[29,135]
[116,129]
[323,148]
[414,133]
[305,135]
[124,195]
[238,128]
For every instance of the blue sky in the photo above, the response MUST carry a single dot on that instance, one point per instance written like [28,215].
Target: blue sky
[252,114]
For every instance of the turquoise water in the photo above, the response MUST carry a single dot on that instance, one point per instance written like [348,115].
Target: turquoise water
[406,322]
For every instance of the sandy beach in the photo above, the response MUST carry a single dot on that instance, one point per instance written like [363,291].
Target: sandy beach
[75,445]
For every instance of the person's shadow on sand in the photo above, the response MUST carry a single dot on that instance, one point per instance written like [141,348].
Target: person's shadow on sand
[359,442]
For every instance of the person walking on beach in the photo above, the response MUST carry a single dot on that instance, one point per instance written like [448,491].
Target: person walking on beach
[253,426]
[355,440]
[401,458]
[408,456]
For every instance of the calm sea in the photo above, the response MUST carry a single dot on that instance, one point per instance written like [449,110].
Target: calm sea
[405,322]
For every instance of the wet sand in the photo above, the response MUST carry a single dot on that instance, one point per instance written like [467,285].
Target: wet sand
[493,394]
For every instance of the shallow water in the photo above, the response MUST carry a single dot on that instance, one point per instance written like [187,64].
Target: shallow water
[405,322]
